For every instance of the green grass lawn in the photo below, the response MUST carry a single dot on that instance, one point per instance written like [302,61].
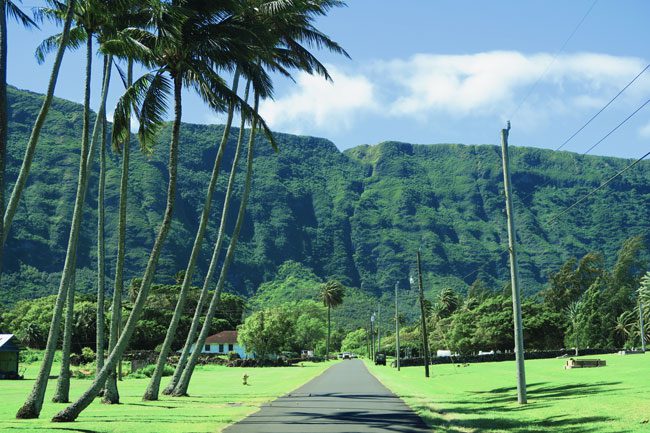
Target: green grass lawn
[482,397]
[217,399]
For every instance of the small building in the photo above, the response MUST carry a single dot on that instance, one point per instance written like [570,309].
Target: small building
[223,343]
[9,351]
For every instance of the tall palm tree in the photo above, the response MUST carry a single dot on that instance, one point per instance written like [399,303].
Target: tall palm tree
[287,26]
[8,213]
[8,8]
[62,393]
[85,15]
[184,381]
[153,388]
[111,393]
[331,293]
[207,281]
[185,46]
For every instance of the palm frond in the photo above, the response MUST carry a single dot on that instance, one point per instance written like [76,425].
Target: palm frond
[14,12]
[147,97]
[77,38]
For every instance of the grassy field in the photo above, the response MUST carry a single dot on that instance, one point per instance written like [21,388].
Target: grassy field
[482,397]
[217,399]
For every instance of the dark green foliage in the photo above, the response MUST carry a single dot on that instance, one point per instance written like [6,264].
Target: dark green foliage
[356,216]
[30,319]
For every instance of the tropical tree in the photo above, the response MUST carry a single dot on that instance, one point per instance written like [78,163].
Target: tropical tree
[573,315]
[447,302]
[207,281]
[287,26]
[624,325]
[184,381]
[153,388]
[10,9]
[62,392]
[186,44]
[332,293]
[86,15]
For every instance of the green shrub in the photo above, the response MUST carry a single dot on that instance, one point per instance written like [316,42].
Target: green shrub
[148,371]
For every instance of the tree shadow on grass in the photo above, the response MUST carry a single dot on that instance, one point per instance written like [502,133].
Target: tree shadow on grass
[479,414]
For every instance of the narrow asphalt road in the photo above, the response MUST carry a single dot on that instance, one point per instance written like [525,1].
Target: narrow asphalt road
[346,398]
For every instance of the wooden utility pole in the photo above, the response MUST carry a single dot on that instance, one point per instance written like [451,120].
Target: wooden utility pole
[396,330]
[372,336]
[423,319]
[514,272]
[641,326]
[379,328]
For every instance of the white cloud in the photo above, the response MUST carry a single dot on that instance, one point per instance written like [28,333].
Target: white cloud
[315,102]
[495,82]
[644,131]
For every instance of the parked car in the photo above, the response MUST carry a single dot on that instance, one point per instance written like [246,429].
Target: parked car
[380,359]
[346,355]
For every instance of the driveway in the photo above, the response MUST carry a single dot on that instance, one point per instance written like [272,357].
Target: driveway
[346,398]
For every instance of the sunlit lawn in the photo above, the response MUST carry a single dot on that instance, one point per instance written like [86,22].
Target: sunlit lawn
[482,397]
[217,399]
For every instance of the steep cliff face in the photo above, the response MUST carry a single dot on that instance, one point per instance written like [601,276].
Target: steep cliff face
[359,215]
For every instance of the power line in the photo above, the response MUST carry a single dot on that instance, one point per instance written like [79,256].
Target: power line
[592,192]
[555,56]
[604,107]
[616,127]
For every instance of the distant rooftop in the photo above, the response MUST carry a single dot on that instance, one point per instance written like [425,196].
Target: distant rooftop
[224,337]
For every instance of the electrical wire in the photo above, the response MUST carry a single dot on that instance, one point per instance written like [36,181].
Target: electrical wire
[555,56]
[595,190]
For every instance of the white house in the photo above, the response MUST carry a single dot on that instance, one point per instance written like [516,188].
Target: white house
[222,343]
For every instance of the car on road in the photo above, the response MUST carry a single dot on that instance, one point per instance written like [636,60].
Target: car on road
[346,355]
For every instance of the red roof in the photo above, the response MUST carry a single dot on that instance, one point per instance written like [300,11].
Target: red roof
[224,337]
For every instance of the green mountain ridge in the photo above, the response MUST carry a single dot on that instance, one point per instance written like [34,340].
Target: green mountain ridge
[357,215]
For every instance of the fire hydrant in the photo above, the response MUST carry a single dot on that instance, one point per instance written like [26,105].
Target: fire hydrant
[245,379]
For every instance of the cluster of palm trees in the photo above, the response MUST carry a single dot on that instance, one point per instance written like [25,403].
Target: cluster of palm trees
[182,44]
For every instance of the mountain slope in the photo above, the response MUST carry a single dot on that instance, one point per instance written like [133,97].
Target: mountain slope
[359,215]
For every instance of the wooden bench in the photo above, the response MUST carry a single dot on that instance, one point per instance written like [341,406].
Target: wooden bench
[584,363]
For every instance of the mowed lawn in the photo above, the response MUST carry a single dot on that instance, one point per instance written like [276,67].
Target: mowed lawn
[482,397]
[217,398]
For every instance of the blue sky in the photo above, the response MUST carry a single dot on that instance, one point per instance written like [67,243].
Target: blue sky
[443,71]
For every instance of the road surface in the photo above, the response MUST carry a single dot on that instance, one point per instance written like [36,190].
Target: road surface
[346,398]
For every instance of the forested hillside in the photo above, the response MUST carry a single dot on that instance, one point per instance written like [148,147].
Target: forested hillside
[358,216]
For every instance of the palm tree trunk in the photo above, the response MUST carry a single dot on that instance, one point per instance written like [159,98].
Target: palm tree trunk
[101,250]
[71,412]
[34,403]
[19,186]
[4,121]
[62,393]
[196,320]
[111,393]
[184,382]
[151,393]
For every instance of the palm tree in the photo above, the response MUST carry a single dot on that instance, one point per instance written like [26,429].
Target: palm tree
[573,313]
[196,320]
[8,213]
[184,381]
[85,15]
[8,8]
[62,393]
[287,25]
[624,324]
[111,393]
[188,39]
[331,293]
[447,303]
[153,388]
